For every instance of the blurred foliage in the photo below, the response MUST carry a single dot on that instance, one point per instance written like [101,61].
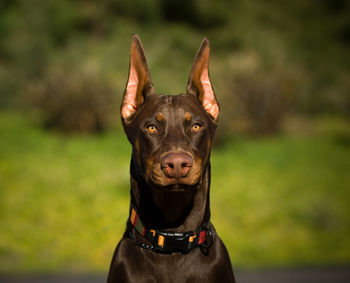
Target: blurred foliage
[73,101]
[262,101]
[306,41]
[275,201]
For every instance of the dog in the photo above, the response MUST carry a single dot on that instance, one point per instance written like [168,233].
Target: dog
[169,236]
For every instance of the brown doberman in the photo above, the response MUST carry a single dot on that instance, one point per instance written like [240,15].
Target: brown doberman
[169,236]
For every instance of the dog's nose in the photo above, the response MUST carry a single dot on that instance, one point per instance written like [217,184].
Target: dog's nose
[176,165]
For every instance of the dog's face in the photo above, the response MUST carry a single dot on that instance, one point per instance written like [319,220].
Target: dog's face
[171,135]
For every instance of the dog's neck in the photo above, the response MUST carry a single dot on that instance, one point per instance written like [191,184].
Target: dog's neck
[181,210]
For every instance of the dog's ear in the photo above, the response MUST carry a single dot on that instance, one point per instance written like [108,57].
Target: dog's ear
[199,82]
[139,84]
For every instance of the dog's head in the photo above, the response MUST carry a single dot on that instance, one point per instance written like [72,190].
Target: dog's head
[171,136]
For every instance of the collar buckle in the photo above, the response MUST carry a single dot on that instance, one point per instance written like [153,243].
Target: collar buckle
[167,242]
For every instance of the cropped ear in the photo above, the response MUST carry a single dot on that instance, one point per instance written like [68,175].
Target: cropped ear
[199,82]
[139,84]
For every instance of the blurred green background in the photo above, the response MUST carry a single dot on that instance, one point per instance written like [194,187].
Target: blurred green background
[281,185]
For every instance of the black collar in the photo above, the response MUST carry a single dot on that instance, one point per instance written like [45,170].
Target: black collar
[168,242]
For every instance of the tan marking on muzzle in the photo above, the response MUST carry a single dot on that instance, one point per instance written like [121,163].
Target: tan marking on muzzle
[149,165]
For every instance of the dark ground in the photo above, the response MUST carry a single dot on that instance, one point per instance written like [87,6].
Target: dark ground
[314,275]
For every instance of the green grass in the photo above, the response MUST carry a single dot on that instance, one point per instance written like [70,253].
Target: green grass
[279,201]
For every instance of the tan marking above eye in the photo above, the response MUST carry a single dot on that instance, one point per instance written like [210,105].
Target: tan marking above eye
[196,127]
[188,116]
[152,129]
[160,117]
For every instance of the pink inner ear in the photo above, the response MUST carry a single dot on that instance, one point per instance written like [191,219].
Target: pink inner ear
[129,103]
[209,101]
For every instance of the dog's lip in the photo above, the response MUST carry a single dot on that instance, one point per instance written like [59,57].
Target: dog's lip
[177,187]
[158,179]
[175,182]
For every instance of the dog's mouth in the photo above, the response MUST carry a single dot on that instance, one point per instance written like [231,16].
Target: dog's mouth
[164,181]
[177,187]
[161,180]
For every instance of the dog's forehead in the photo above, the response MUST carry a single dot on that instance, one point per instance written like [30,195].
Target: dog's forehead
[178,105]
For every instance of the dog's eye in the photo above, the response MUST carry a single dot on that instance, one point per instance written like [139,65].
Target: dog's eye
[196,127]
[152,129]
